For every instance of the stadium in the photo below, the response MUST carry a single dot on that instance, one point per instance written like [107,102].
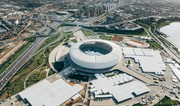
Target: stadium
[95,54]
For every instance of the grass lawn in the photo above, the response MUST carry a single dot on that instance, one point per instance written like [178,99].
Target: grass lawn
[87,32]
[36,76]
[162,24]
[101,33]
[104,37]
[74,40]
[14,57]
[155,45]
[51,72]
[143,34]
[66,34]
[166,101]
[53,38]
[50,39]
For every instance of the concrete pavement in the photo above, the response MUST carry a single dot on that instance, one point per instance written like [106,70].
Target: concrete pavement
[138,76]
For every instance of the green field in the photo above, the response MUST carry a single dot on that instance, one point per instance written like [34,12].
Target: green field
[154,44]
[65,34]
[53,38]
[104,37]
[74,40]
[162,24]
[51,72]
[87,32]
[50,39]
[101,33]
[36,76]
[143,34]
[166,101]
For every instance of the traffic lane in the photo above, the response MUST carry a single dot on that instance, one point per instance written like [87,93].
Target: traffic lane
[27,50]
[20,64]
[16,61]
[10,74]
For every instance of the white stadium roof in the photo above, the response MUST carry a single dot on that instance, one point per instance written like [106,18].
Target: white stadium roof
[95,61]
[48,93]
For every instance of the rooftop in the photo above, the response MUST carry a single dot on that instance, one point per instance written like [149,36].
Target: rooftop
[120,87]
[50,92]
[144,57]
[96,48]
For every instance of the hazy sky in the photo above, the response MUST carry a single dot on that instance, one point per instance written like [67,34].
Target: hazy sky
[174,0]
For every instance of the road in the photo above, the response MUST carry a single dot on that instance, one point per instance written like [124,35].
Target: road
[137,75]
[25,57]
[19,62]
[45,24]
[167,49]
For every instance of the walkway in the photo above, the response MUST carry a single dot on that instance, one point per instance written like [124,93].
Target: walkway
[139,76]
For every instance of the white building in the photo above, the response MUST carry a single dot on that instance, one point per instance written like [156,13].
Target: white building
[95,54]
[120,87]
[150,61]
[51,91]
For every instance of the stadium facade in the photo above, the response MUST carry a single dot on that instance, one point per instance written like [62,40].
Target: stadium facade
[95,54]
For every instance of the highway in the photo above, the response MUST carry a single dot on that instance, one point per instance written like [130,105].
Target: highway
[25,57]
[19,62]
[167,49]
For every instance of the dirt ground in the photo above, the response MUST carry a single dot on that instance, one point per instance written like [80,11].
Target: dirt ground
[4,96]
[10,50]
[25,35]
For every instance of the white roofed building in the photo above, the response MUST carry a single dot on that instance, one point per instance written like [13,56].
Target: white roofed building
[95,54]
[112,87]
[50,92]
[150,61]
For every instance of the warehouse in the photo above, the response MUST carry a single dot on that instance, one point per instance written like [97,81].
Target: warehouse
[121,87]
[50,92]
[145,57]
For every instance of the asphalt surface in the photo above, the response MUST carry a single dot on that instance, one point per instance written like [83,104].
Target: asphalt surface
[19,62]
